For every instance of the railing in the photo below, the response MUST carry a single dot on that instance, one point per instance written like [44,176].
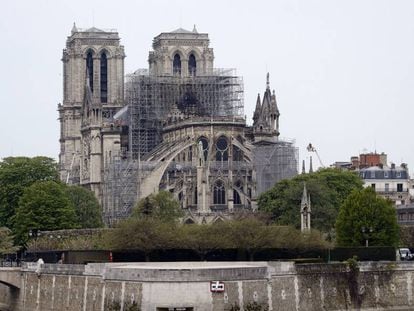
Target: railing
[8,263]
[390,190]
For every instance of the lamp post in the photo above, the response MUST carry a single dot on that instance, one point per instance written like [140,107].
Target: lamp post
[366,232]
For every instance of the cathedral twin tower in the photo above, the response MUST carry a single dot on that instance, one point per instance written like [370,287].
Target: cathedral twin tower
[178,126]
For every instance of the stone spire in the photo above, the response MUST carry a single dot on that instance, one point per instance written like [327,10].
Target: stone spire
[258,110]
[303,167]
[267,82]
[74,28]
[195,29]
[305,211]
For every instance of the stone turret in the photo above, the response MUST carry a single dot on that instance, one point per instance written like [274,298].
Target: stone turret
[266,117]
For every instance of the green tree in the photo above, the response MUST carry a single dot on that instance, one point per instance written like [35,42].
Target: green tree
[145,234]
[407,236]
[6,242]
[161,206]
[366,216]
[43,206]
[328,188]
[16,174]
[87,208]
[203,238]
[248,234]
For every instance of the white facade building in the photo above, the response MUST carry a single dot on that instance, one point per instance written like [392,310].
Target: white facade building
[390,182]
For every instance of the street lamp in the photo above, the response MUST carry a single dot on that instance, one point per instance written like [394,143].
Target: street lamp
[366,232]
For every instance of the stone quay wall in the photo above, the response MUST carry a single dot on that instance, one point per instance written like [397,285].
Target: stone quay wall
[187,285]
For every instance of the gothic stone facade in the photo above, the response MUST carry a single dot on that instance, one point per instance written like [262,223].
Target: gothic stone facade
[182,122]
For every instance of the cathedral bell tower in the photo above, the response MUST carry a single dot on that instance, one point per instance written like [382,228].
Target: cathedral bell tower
[93,87]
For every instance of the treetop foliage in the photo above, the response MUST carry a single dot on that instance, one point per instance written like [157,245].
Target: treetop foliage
[31,197]
[87,208]
[44,206]
[366,216]
[248,234]
[327,187]
[18,173]
[161,206]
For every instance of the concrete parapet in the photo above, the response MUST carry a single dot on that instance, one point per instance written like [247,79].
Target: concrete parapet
[272,285]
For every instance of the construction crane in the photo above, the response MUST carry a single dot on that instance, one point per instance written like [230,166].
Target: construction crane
[311,148]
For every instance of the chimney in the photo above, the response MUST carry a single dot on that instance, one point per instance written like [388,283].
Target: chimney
[393,166]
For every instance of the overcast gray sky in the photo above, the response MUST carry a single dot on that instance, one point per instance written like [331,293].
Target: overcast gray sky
[342,70]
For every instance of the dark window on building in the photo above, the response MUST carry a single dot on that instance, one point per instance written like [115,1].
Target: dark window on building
[104,78]
[237,154]
[204,141]
[236,197]
[219,193]
[399,187]
[190,154]
[89,69]
[192,65]
[222,153]
[373,186]
[177,65]
[195,196]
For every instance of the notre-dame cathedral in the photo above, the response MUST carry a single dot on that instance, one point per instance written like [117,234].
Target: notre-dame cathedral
[177,126]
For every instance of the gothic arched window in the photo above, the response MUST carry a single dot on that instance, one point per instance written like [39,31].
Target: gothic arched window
[192,65]
[237,154]
[89,69]
[177,65]
[204,141]
[222,153]
[104,78]
[236,197]
[219,193]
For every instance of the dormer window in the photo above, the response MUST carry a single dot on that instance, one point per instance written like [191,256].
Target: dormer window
[177,65]
[192,65]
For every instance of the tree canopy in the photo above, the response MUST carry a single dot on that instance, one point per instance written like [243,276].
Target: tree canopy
[328,188]
[87,208]
[6,242]
[365,216]
[18,173]
[161,206]
[248,234]
[43,206]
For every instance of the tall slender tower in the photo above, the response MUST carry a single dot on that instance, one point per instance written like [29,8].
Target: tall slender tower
[93,87]
[305,211]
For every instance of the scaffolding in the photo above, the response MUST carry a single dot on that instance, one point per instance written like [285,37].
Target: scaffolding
[121,179]
[151,98]
[274,162]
